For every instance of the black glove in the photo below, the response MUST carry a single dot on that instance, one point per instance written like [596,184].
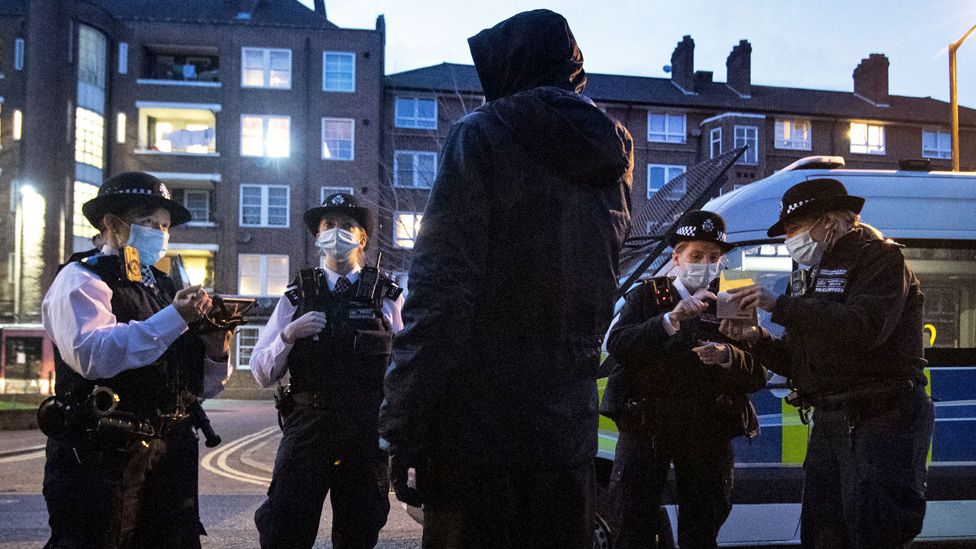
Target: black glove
[407,472]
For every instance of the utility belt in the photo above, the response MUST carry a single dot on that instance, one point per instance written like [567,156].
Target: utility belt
[643,415]
[862,402]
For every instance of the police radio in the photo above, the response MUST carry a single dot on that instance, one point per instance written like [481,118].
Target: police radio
[799,282]
[368,279]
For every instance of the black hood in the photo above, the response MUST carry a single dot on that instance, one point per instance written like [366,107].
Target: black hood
[528,50]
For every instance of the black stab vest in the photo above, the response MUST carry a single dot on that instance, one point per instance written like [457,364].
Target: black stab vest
[155,387]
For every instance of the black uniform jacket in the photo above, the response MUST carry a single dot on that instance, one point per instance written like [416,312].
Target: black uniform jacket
[515,267]
[662,371]
[858,323]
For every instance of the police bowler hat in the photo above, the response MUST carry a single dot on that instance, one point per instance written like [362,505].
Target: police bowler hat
[814,197]
[128,190]
[336,203]
[700,226]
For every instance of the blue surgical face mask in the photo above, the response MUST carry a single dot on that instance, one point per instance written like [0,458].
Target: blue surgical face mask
[804,249]
[336,242]
[150,243]
[696,276]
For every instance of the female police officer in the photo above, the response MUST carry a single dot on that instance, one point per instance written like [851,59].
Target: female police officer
[680,394]
[332,331]
[852,350]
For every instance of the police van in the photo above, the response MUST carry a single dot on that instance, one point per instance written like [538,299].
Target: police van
[933,214]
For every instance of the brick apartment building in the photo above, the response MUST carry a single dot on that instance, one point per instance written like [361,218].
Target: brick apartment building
[679,122]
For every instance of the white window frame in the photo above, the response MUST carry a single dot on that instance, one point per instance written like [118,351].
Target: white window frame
[204,192]
[413,121]
[751,156]
[937,153]
[867,147]
[265,122]
[266,67]
[263,274]
[714,138]
[264,206]
[349,54]
[19,54]
[352,139]
[669,135]
[238,365]
[793,143]
[329,191]
[667,170]
[396,223]
[413,184]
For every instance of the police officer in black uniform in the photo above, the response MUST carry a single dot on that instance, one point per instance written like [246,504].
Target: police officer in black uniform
[853,351]
[122,458]
[678,394]
[332,331]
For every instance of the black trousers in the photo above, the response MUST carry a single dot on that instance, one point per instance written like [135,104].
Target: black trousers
[865,487]
[703,467]
[145,497]
[313,461]
[507,507]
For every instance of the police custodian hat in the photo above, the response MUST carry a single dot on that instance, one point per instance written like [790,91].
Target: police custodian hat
[814,197]
[336,203]
[128,190]
[701,226]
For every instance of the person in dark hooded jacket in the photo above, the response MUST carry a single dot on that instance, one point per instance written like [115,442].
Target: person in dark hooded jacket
[491,402]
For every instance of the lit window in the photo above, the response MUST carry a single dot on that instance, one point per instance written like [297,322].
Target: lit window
[338,71]
[793,134]
[338,139]
[666,127]
[265,68]
[198,203]
[412,112]
[936,144]
[262,275]
[18,125]
[264,206]
[89,138]
[120,128]
[246,338]
[747,136]
[660,174]
[267,136]
[81,229]
[867,138]
[715,142]
[406,225]
[414,169]
[198,264]
[178,131]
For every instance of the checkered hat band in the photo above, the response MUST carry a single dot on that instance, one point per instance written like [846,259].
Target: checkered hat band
[689,231]
[789,209]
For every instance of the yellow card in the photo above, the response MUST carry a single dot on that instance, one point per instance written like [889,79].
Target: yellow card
[724,284]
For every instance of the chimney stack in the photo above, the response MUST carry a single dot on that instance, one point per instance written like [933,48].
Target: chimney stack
[871,79]
[739,69]
[320,8]
[683,64]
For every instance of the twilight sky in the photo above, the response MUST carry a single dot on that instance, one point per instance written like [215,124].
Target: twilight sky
[797,43]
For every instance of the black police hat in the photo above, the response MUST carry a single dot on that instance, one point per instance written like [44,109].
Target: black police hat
[702,226]
[336,203]
[128,190]
[813,197]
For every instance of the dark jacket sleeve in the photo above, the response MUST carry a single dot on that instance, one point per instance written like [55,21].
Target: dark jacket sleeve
[638,336]
[745,372]
[774,354]
[448,268]
[876,296]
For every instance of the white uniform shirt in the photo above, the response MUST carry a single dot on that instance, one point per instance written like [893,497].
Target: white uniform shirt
[77,316]
[269,359]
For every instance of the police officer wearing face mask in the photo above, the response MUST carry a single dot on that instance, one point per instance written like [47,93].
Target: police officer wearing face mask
[122,458]
[678,394]
[332,331]
[853,351]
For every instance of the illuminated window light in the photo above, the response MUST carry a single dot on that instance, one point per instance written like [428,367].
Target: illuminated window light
[120,128]
[18,125]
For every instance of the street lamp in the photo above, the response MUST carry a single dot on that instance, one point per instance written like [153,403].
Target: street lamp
[953,100]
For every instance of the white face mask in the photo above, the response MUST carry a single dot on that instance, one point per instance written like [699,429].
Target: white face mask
[696,276]
[804,249]
[150,243]
[337,243]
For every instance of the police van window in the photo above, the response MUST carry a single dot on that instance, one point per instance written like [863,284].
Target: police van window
[948,279]
[766,264]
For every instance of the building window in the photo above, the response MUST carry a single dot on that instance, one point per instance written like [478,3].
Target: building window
[120,128]
[412,112]
[338,138]
[18,130]
[262,275]
[414,169]
[89,138]
[264,206]
[747,136]
[19,54]
[198,203]
[267,136]
[198,264]
[338,71]
[265,68]
[405,228]
[91,57]
[246,340]
[329,191]
[666,127]
[715,142]
[182,64]
[936,144]
[81,229]
[867,138]
[123,58]
[659,174]
[178,131]
[793,134]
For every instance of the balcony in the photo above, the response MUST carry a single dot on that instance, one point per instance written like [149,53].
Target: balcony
[175,129]
[181,66]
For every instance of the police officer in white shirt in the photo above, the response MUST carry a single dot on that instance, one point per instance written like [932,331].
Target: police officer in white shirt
[332,332]
[122,458]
